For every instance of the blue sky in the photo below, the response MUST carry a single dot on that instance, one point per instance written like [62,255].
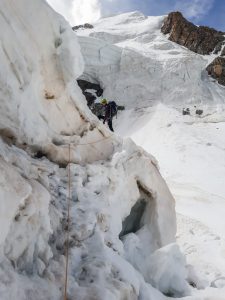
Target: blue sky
[201,12]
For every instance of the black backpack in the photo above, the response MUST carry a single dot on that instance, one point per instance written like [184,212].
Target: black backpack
[112,106]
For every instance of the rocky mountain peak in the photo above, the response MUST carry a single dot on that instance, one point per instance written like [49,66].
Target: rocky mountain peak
[200,39]
[217,69]
[83,26]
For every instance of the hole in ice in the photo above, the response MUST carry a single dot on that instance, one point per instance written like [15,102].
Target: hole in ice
[62,29]
[141,213]
[58,42]
[132,223]
[39,154]
[58,142]
[8,136]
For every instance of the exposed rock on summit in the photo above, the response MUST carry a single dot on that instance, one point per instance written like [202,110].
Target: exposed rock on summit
[217,69]
[223,52]
[84,26]
[199,39]
[202,39]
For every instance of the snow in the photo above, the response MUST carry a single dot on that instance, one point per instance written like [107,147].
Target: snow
[155,79]
[42,112]
[192,161]
[204,250]
[137,65]
[13,195]
[167,271]
[97,214]
[118,250]
[45,83]
[191,146]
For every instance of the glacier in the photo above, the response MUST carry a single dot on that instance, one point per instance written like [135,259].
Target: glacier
[43,116]
[156,79]
[122,229]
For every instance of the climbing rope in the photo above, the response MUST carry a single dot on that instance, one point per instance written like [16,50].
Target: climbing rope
[68,225]
[68,213]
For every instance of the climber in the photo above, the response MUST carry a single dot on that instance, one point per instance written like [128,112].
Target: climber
[110,112]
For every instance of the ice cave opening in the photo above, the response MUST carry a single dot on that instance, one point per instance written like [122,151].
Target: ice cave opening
[132,223]
[140,213]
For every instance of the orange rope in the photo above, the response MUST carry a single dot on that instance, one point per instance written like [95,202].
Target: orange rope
[68,225]
[68,212]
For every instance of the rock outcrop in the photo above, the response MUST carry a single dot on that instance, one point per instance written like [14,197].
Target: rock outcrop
[202,39]
[223,52]
[217,69]
[86,86]
[84,26]
[91,91]
[199,39]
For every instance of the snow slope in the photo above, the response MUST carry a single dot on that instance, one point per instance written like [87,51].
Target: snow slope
[111,244]
[146,67]
[191,155]
[155,79]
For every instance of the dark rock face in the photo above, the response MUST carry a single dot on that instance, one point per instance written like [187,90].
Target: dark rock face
[186,111]
[223,52]
[199,112]
[217,69]
[90,98]
[84,26]
[202,39]
[86,85]
[97,108]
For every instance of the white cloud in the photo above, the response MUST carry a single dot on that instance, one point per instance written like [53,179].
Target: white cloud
[78,11]
[82,11]
[86,11]
[194,9]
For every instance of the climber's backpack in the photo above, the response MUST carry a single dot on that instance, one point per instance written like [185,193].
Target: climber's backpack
[112,106]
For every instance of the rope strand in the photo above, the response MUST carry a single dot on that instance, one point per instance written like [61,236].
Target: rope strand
[68,226]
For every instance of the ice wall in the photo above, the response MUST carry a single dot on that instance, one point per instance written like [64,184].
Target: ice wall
[41,104]
[145,67]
